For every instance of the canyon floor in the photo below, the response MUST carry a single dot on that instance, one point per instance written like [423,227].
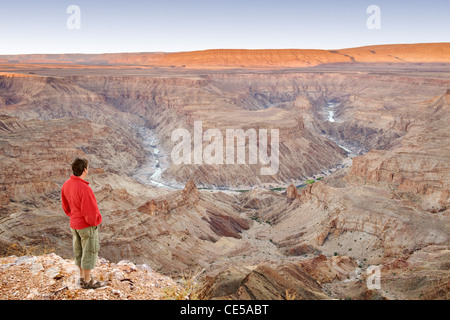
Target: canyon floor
[363,179]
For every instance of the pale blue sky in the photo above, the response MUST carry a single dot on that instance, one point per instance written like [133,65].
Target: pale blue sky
[33,26]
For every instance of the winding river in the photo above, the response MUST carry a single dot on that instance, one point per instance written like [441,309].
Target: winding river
[157,160]
[330,110]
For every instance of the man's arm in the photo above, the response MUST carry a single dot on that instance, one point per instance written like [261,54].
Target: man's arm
[89,208]
[65,203]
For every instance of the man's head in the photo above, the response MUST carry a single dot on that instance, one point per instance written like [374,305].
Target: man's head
[79,165]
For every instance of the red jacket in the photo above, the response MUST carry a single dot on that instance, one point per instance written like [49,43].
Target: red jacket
[79,203]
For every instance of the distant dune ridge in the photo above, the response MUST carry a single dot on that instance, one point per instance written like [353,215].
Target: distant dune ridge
[267,58]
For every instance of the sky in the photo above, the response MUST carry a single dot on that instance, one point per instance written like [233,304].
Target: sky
[34,26]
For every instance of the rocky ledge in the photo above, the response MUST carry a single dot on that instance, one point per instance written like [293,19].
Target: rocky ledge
[50,277]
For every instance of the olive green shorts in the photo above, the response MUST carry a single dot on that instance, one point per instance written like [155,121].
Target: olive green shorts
[86,245]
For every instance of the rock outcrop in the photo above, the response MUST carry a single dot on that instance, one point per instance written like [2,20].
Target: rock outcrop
[300,281]
[291,192]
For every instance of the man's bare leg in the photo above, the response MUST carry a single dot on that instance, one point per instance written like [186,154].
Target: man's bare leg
[87,275]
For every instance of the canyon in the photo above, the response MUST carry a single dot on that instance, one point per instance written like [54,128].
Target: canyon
[363,179]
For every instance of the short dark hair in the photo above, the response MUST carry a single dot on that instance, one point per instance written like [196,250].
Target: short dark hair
[78,166]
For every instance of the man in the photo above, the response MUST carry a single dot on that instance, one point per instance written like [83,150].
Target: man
[79,203]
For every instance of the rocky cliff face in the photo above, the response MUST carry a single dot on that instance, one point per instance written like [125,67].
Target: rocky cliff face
[418,167]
